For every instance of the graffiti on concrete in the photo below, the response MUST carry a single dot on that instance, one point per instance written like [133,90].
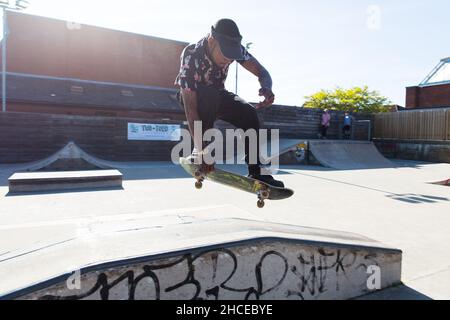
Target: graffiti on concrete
[249,273]
[314,270]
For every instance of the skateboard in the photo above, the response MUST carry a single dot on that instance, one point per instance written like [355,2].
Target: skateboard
[262,190]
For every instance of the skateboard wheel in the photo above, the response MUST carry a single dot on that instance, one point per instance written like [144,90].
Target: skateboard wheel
[260,204]
[265,194]
[198,184]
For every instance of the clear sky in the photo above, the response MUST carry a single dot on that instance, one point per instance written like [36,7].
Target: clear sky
[306,45]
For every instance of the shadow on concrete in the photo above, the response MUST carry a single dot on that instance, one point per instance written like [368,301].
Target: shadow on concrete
[411,163]
[401,292]
[304,167]
[397,165]
[409,198]
[417,198]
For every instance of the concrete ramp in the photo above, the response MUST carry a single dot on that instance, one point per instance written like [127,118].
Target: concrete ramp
[345,155]
[336,154]
[72,157]
[192,254]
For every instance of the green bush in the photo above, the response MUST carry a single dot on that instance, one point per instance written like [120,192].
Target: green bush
[354,100]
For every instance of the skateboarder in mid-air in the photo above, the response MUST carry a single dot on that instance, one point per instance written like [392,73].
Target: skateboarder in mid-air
[204,69]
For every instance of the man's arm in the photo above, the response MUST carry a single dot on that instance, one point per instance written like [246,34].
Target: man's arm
[186,80]
[264,78]
[191,109]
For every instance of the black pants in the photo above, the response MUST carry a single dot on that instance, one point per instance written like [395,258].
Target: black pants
[346,130]
[216,104]
[323,131]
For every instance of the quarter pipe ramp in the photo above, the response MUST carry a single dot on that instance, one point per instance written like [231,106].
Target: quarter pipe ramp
[345,155]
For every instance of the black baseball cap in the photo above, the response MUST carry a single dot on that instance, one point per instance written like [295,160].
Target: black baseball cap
[226,32]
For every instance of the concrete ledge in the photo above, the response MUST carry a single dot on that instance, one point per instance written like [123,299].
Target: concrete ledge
[65,180]
[227,259]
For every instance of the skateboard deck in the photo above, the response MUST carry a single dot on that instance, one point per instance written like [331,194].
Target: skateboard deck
[262,190]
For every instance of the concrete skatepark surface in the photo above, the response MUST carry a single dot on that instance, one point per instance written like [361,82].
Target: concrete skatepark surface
[396,206]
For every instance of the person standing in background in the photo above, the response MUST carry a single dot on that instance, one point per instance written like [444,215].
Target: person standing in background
[325,123]
[348,123]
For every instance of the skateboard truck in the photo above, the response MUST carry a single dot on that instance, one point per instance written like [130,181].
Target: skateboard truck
[197,175]
[200,178]
[263,194]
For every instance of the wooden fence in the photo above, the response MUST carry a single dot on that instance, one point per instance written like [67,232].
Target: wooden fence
[432,125]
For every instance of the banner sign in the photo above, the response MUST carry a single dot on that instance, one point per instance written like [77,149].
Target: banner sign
[154,132]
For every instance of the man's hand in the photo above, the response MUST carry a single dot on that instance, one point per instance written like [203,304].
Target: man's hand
[199,158]
[269,98]
[265,81]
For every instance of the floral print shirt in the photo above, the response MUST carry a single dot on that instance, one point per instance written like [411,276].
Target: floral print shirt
[198,68]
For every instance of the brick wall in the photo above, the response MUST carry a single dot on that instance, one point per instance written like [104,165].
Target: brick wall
[50,47]
[428,97]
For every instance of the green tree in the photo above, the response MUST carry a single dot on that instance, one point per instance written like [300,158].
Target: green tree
[354,100]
